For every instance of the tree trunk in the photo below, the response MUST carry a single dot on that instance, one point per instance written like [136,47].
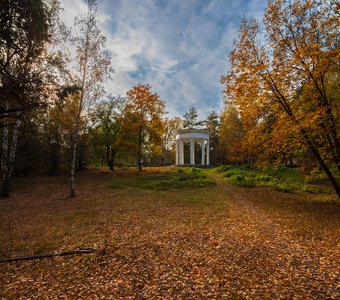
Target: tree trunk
[4,160]
[139,161]
[325,168]
[13,149]
[80,163]
[73,166]
[140,152]
[54,163]
[109,157]
[5,186]
[112,159]
[7,160]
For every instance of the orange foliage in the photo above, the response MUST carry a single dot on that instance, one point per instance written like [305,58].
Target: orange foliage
[143,124]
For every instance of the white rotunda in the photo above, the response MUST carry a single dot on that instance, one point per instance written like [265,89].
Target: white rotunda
[192,136]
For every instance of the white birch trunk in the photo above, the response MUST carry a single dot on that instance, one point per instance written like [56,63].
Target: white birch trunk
[13,149]
[4,157]
[8,157]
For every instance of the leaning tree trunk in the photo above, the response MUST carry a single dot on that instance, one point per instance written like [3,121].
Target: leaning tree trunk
[325,168]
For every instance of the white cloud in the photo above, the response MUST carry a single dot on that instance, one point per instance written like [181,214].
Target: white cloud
[179,47]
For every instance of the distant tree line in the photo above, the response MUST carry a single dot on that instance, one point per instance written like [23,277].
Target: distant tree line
[281,96]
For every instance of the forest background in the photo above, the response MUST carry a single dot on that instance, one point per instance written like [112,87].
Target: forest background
[281,96]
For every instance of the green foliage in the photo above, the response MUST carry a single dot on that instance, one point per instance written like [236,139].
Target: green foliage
[190,118]
[180,178]
[279,178]
[223,168]
[282,187]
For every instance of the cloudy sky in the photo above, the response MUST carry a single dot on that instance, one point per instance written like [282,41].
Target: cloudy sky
[179,47]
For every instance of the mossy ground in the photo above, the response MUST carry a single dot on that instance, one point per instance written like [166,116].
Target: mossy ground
[281,179]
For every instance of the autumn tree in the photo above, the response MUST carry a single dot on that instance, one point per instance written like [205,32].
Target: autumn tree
[109,116]
[285,70]
[171,125]
[230,132]
[143,124]
[92,68]
[25,32]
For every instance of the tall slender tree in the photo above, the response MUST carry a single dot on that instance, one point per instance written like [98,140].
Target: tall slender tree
[93,66]
[212,124]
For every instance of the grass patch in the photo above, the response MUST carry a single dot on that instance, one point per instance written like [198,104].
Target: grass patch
[176,178]
[282,179]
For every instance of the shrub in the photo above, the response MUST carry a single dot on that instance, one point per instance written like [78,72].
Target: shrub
[313,189]
[282,187]
[264,178]
[237,177]
[231,173]
[223,168]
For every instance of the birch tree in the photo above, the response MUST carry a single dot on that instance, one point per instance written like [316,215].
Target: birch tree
[92,69]
[25,32]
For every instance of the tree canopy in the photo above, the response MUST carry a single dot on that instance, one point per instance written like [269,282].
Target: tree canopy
[143,122]
[282,79]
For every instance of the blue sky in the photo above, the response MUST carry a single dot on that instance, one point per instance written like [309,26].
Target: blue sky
[179,47]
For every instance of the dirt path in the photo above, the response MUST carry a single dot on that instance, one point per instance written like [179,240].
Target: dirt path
[298,268]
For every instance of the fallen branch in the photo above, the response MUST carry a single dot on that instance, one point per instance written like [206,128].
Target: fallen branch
[75,252]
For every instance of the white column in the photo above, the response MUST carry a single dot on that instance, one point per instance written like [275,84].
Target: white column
[203,152]
[208,150]
[177,160]
[192,152]
[181,152]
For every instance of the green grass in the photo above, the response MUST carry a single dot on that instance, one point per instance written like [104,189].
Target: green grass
[281,179]
[178,178]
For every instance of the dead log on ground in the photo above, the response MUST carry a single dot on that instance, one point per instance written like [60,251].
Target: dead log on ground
[65,253]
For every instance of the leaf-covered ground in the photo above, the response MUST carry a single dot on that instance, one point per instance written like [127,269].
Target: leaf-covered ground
[186,242]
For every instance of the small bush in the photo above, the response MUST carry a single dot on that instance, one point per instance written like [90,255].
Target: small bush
[195,170]
[237,177]
[230,173]
[222,168]
[313,189]
[264,178]
[282,187]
